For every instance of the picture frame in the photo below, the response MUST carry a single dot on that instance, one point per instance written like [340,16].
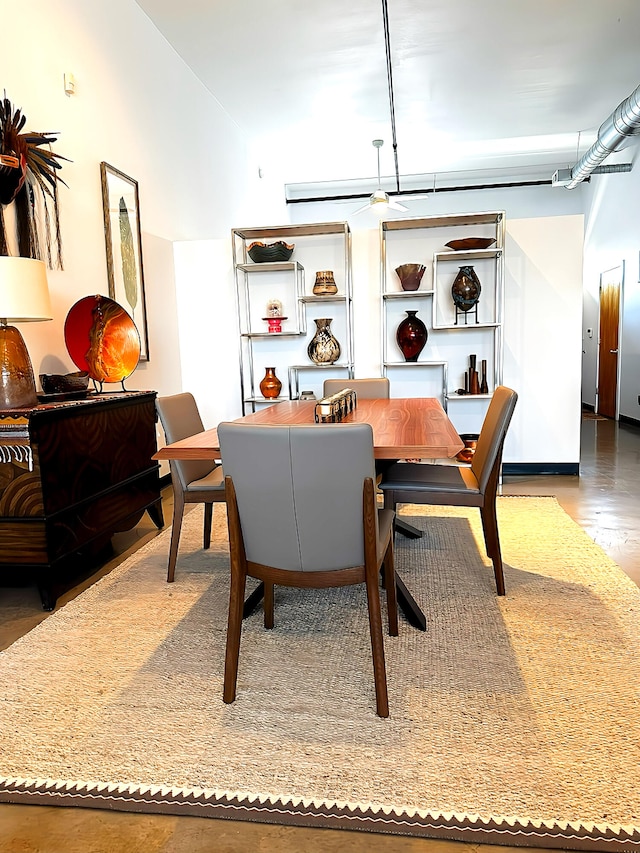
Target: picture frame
[123,243]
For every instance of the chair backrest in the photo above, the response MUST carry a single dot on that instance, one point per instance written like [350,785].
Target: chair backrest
[180,418]
[494,429]
[366,389]
[300,492]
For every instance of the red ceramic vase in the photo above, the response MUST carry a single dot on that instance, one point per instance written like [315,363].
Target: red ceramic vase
[411,336]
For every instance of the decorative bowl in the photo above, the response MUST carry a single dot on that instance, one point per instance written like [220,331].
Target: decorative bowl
[410,275]
[470,440]
[261,253]
[57,383]
[470,243]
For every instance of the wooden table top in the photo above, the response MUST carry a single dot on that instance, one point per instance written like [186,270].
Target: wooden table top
[407,428]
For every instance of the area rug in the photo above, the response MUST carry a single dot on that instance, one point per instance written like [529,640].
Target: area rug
[513,720]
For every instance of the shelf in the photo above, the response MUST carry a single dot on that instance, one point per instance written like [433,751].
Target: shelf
[467,254]
[281,232]
[468,327]
[311,366]
[266,400]
[271,266]
[414,363]
[272,334]
[447,221]
[406,294]
[338,297]
[454,396]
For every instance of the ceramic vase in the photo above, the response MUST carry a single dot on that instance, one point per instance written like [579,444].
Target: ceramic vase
[270,386]
[323,347]
[466,289]
[325,284]
[411,336]
[410,275]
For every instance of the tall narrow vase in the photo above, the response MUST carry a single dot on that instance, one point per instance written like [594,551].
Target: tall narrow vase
[411,336]
[323,347]
[270,386]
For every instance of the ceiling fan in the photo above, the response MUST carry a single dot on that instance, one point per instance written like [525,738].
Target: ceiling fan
[379,199]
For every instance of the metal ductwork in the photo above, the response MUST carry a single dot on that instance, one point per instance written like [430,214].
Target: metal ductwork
[620,125]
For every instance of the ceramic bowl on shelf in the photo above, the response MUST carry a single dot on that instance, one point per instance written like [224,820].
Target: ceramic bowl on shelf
[470,243]
[261,253]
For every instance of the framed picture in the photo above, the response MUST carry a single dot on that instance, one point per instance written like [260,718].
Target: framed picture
[123,241]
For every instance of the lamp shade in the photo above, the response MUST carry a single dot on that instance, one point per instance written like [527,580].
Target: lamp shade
[24,297]
[24,294]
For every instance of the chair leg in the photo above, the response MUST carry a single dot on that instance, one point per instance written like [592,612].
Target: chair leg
[234,629]
[268,605]
[178,512]
[208,515]
[377,644]
[390,581]
[492,542]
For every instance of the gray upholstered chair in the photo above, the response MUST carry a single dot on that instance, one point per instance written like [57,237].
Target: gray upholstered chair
[301,512]
[448,485]
[366,389]
[194,481]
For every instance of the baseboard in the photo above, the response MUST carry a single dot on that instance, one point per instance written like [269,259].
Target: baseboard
[588,407]
[565,468]
[625,419]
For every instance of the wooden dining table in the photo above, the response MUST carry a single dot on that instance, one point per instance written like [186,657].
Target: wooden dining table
[403,428]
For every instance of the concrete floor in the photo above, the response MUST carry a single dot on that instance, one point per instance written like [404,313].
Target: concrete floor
[604,500]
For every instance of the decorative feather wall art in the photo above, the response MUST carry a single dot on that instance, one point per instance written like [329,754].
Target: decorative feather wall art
[29,177]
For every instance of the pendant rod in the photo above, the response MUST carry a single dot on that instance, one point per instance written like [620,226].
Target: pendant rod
[392,109]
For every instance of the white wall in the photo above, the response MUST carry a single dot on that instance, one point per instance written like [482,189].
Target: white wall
[612,236]
[138,107]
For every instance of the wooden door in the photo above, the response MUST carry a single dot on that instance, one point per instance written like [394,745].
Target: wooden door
[610,288]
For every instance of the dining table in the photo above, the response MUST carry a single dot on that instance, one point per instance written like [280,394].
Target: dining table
[403,428]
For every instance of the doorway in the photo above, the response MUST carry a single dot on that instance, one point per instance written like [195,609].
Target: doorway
[611,282]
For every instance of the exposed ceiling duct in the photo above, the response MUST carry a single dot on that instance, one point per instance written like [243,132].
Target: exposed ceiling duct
[620,125]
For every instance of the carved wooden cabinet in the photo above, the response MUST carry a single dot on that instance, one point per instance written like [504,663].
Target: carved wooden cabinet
[71,475]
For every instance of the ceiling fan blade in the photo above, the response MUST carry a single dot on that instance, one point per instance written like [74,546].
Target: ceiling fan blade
[362,209]
[395,205]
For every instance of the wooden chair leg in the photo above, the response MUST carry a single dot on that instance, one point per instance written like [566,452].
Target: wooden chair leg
[268,605]
[176,525]
[377,643]
[208,515]
[492,541]
[389,575]
[234,629]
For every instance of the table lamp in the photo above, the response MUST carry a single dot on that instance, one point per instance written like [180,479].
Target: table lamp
[24,297]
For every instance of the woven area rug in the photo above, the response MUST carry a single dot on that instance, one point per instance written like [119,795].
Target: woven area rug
[513,721]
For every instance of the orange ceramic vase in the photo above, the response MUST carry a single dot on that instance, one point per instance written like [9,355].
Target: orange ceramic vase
[270,386]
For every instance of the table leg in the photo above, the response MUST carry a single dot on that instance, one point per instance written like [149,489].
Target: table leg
[253,600]
[408,529]
[409,606]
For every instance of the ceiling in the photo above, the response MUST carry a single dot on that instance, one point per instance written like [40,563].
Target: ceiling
[491,88]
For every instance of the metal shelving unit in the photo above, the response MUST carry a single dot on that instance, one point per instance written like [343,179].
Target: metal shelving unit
[324,245]
[425,238]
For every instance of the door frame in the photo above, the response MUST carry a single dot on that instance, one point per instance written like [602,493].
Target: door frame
[607,277]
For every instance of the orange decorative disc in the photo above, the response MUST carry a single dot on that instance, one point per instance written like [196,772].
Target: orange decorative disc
[102,339]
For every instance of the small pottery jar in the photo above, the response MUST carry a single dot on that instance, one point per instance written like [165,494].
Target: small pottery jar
[270,386]
[411,336]
[410,275]
[466,289]
[325,283]
[323,347]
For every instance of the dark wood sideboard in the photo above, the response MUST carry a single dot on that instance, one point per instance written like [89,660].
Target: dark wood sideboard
[72,474]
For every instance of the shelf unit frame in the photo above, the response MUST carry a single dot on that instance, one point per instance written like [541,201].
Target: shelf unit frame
[495,219]
[244,269]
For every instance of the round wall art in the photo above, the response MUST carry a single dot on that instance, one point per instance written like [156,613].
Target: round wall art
[102,339]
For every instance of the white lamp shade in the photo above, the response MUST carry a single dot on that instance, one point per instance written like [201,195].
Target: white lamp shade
[24,293]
